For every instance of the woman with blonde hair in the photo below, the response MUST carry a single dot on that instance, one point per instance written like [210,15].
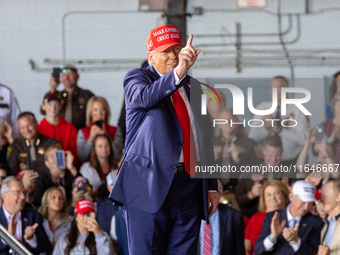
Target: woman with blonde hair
[97,118]
[54,210]
[274,196]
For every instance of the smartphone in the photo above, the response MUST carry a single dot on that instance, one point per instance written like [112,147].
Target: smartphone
[257,178]
[319,133]
[60,159]
[83,187]
[32,165]
[233,139]
[99,123]
[90,215]
[56,74]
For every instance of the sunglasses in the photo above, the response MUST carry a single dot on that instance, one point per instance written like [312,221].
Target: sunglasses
[64,70]
[3,177]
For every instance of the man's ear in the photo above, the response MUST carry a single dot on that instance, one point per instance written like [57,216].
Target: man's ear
[150,57]
[291,195]
[47,164]
[43,106]
[337,197]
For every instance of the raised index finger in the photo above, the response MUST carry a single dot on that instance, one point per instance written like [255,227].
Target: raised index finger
[189,42]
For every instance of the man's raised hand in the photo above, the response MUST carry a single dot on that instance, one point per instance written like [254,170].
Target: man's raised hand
[187,57]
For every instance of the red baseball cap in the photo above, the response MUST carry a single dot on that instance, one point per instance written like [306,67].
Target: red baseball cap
[84,206]
[163,37]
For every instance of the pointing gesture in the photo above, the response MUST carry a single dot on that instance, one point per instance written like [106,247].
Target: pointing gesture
[187,57]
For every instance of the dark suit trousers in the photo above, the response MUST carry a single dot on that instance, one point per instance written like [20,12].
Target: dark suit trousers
[174,229]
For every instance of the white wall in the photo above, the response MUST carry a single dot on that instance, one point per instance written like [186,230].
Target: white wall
[115,29]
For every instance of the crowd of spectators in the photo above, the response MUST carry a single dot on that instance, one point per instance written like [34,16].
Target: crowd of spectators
[56,203]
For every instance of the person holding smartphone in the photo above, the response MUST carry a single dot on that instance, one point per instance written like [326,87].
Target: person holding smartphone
[80,190]
[97,118]
[57,175]
[85,235]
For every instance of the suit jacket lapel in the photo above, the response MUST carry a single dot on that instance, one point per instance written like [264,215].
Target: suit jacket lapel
[24,224]
[3,219]
[155,77]
[186,83]
[302,226]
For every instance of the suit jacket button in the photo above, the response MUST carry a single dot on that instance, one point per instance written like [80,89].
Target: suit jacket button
[180,143]
[174,166]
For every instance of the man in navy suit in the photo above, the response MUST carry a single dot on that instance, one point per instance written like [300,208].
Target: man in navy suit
[227,232]
[25,225]
[292,230]
[163,204]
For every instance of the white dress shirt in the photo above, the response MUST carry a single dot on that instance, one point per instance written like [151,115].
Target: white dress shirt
[269,245]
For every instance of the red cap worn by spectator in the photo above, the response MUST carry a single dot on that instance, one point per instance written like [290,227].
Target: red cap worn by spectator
[163,37]
[318,194]
[84,206]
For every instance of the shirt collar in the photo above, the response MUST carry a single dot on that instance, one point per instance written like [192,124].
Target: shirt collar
[329,218]
[9,216]
[161,75]
[290,216]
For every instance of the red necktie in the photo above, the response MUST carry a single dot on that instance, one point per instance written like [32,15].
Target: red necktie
[207,239]
[189,151]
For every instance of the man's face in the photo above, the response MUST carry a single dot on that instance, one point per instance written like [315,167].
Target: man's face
[272,155]
[329,199]
[298,208]
[52,108]
[277,83]
[165,61]
[28,128]
[69,79]
[14,199]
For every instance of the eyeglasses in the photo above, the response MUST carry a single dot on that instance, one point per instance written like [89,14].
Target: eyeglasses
[3,177]
[18,192]
[64,70]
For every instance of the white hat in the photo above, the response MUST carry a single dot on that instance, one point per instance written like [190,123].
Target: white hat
[305,190]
